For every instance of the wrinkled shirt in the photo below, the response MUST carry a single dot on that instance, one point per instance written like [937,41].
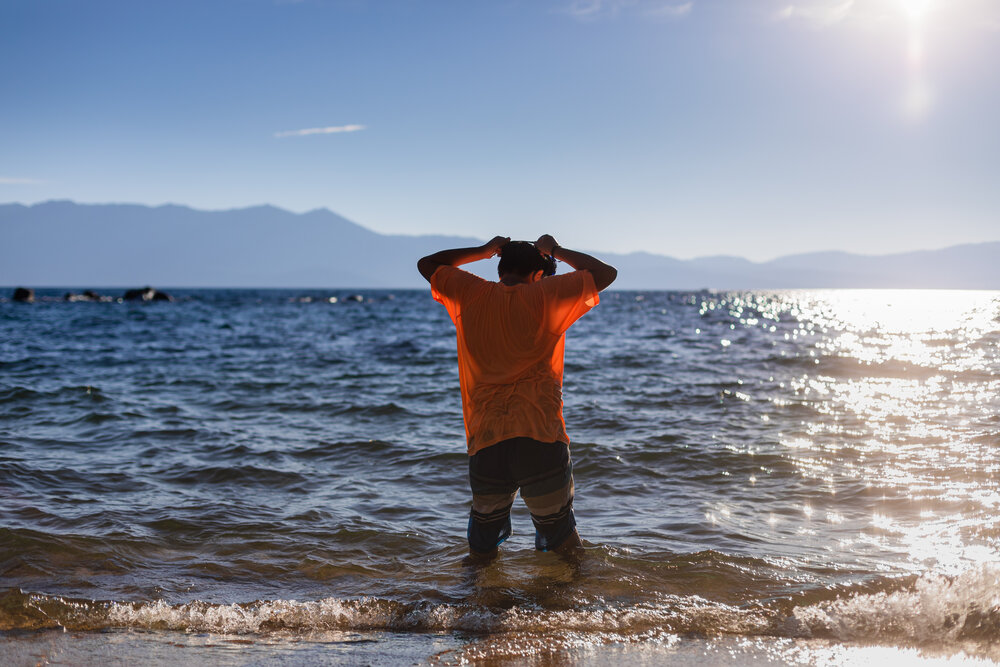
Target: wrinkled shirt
[510,351]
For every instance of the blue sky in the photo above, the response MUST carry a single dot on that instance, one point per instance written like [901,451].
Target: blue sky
[748,127]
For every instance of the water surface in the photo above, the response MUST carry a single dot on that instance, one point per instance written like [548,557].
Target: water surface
[790,464]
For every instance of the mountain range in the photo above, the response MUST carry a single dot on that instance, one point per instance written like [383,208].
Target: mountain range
[66,244]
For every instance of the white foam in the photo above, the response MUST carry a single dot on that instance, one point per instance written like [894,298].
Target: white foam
[938,610]
[679,614]
[256,617]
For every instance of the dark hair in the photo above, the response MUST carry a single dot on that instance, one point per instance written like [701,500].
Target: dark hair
[522,258]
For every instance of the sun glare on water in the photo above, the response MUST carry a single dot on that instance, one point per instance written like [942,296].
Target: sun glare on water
[901,387]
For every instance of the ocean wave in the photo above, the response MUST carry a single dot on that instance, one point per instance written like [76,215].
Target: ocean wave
[20,610]
[18,393]
[934,611]
[855,368]
[33,478]
[242,475]
[20,365]
[339,450]
[263,402]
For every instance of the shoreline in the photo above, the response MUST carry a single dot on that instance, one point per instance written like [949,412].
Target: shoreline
[162,647]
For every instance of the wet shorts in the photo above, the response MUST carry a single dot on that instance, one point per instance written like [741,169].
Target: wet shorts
[544,473]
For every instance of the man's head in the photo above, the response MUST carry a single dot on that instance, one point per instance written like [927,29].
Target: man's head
[522,259]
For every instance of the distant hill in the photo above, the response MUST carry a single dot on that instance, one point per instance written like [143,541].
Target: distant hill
[61,243]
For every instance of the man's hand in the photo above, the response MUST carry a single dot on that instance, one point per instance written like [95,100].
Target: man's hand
[545,244]
[493,245]
[604,274]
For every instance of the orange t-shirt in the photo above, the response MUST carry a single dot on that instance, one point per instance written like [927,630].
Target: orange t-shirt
[510,351]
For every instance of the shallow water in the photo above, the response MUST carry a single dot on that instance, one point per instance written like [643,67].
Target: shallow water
[795,464]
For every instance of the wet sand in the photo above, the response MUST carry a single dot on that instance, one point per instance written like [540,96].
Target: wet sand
[131,647]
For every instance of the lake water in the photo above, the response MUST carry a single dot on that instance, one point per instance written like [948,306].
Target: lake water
[269,466]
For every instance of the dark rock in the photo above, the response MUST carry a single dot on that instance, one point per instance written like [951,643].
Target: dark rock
[146,294]
[24,295]
[143,294]
[87,295]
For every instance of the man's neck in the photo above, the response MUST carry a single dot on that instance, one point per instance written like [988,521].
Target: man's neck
[512,279]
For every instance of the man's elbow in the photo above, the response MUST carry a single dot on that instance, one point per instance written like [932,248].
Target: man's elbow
[426,267]
[606,276]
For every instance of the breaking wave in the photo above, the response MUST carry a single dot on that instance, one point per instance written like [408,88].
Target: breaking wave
[959,613]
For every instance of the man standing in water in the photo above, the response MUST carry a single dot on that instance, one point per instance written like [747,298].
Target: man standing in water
[511,335]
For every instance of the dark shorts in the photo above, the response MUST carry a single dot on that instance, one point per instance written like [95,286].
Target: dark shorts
[542,471]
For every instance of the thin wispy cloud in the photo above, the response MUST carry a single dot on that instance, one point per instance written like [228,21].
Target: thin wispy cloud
[961,14]
[5,180]
[671,10]
[335,129]
[588,10]
[821,13]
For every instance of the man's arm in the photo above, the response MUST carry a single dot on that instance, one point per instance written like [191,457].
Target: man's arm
[458,256]
[604,274]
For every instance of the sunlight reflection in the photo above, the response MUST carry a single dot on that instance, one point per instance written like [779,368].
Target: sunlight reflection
[883,401]
[900,311]
[901,393]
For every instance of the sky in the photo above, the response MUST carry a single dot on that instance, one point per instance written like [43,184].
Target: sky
[688,128]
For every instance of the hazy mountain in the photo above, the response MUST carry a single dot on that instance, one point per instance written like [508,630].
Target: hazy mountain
[67,244]
[61,243]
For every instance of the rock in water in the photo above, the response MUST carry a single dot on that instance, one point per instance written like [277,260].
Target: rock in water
[146,294]
[87,295]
